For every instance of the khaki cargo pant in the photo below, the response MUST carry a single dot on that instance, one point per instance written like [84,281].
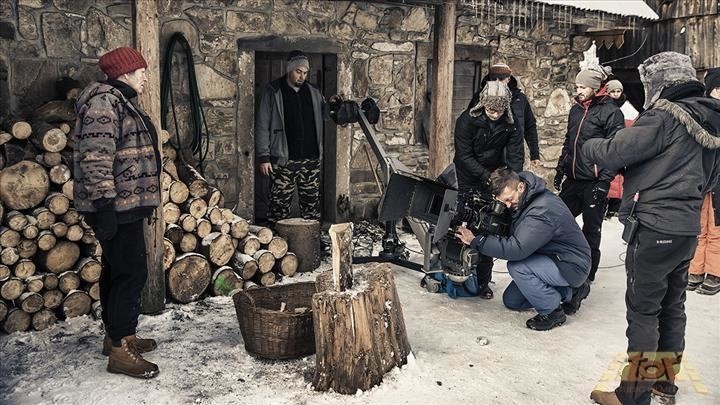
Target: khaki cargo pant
[707,254]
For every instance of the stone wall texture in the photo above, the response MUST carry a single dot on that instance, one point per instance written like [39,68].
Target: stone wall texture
[42,40]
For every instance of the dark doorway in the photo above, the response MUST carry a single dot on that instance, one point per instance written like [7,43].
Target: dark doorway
[323,74]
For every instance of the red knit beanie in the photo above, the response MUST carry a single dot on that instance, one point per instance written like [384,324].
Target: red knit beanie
[120,61]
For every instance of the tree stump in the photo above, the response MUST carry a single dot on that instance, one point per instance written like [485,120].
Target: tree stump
[359,333]
[303,238]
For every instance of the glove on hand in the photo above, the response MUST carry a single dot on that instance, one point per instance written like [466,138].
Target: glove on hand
[106,226]
[600,191]
[559,174]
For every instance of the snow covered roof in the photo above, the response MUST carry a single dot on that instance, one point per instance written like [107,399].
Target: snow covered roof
[637,8]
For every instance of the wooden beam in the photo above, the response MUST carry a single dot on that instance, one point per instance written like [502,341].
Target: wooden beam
[147,42]
[441,151]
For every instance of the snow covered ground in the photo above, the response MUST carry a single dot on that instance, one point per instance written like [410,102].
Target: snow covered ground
[465,351]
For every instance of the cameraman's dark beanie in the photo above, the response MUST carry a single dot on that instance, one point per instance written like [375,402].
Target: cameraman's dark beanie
[712,80]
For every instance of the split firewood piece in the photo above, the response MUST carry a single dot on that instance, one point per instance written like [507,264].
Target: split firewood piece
[213,197]
[179,192]
[48,137]
[188,243]
[196,183]
[188,277]
[171,213]
[245,265]
[23,185]
[265,235]
[16,320]
[203,229]
[57,203]
[11,289]
[34,283]
[187,222]
[43,319]
[16,220]
[68,281]
[60,258]
[88,269]
[76,303]
[60,174]
[342,250]
[44,217]
[288,264]
[239,227]
[168,253]
[278,246]
[53,298]
[225,281]
[24,268]
[249,245]
[30,302]
[265,260]
[217,247]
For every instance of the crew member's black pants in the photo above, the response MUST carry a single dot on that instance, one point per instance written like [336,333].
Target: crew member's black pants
[657,275]
[578,196]
[122,279]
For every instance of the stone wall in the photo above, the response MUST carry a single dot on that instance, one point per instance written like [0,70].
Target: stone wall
[377,47]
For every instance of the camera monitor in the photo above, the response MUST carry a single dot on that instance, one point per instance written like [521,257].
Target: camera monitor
[408,195]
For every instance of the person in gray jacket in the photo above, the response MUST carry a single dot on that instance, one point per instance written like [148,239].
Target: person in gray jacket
[289,140]
[546,252]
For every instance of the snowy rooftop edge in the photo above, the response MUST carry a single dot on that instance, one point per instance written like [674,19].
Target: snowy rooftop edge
[636,8]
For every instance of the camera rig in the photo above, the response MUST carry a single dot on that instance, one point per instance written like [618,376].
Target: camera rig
[430,207]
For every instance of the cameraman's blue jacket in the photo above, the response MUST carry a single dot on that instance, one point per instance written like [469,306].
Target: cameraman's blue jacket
[544,225]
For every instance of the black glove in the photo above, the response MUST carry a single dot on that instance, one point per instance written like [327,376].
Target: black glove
[106,222]
[559,174]
[600,191]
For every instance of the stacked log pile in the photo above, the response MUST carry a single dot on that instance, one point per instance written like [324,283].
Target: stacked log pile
[50,260]
[49,257]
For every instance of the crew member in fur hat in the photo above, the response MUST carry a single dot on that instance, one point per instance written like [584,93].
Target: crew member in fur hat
[671,157]
[486,138]
[586,185]
[117,188]
[289,140]
[522,112]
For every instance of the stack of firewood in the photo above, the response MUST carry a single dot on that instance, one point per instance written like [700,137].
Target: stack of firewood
[209,245]
[50,260]
[49,257]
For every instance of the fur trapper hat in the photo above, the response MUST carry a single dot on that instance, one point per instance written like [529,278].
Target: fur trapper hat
[663,70]
[495,96]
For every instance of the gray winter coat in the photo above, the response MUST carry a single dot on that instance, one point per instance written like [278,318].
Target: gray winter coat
[270,142]
[544,225]
[672,158]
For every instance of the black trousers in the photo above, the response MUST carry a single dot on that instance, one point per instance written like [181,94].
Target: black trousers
[122,279]
[657,274]
[578,196]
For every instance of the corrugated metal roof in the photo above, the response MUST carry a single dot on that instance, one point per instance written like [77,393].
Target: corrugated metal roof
[637,8]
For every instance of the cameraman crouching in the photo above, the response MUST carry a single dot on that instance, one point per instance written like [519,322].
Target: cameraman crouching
[546,251]
[486,137]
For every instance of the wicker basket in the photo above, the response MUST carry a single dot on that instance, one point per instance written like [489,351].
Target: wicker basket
[273,334]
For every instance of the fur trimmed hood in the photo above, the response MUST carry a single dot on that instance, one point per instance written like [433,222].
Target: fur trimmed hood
[701,135]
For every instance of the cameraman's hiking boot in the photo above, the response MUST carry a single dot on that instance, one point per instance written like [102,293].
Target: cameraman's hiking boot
[579,294]
[710,286]
[140,345]
[125,360]
[605,397]
[547,322]
[664,392]
[694,281]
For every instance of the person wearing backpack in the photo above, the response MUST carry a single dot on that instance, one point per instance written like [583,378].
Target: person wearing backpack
[546,252]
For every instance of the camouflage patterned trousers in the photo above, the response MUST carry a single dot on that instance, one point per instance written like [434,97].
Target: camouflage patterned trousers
[306,175]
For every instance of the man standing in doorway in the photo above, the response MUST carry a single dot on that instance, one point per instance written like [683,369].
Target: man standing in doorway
[585,190]
[289,140]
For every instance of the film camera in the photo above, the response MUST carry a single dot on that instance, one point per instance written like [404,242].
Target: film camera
[481,214]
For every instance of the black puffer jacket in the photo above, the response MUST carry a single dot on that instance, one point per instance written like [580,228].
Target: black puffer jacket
[522,114]
[672,158]
[480,149]
[542,224]
[598,117]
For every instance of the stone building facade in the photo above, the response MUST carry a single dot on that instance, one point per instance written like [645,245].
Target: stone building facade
[379,49]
